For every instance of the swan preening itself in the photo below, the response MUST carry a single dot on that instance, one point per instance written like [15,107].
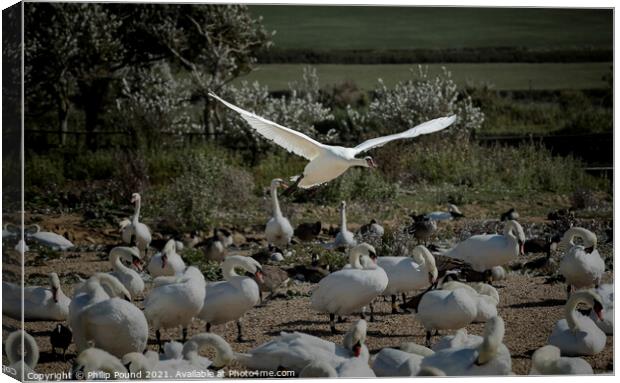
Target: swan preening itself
[485,296]
[485,251]
[175,301]
[606,323]
[229,299]
[278,230]
[112,324]
[350,289]
[581,265]
[485,355]
[166,263]
[23,367]
[328,162]
[547,360]
[406,274]
[295,351]
[40,303]
[127,276]
[577,334]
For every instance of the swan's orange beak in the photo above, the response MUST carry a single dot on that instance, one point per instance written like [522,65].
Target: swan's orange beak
[284,185]
[259,276]
[598,310]
[357,349]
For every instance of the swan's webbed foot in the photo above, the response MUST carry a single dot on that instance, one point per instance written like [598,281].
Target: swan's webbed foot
[293,187]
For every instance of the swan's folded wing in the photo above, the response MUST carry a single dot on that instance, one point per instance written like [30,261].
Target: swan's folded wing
[289,139]
[427,127]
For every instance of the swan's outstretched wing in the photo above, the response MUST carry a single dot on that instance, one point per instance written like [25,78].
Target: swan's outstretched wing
[289,139]
[427,127]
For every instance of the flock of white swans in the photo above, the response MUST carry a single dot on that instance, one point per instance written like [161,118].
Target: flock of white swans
[110,331]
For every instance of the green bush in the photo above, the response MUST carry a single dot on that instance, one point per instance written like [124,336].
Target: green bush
[45,171]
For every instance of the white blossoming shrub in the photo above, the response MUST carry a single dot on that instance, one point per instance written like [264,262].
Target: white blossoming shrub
[420,99]
[152,102]
[301,110]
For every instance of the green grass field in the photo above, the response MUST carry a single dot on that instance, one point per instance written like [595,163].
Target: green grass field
[511,76]
[339,27]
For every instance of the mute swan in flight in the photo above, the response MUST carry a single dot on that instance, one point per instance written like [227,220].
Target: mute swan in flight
[278,230]
[328,162]
[40,303]
[577,334]
[485,251]
[350,289]
[581,265]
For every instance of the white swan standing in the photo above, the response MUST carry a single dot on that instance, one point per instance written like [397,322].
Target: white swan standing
[24,368]
[294,351]
[278,230]
[40,303]
[547,360]
[49,239]
[344,238]
[487,356]
[404,362]
[113,324]
[140,230]
[350,289]
[406,274]
[166,263]
[177,303]
[483,252]
[230,299]
[127,276]
[606,323]
[581,265]
[328,162]
[577,334]
[446,310]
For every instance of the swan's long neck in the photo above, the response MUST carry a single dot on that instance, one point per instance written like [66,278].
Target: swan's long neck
[136,214]
[354,259]
[274,200]
[343,219]
[586,235]
[509,231]
[493,336]
[228,268]
[116,263]
[223,352]
[14,352]
[570,311]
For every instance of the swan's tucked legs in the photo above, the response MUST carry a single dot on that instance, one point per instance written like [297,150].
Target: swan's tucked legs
[394,308]
[293,187]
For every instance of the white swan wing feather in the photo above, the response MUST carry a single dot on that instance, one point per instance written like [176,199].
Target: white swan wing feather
[427,127]
[289,139]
